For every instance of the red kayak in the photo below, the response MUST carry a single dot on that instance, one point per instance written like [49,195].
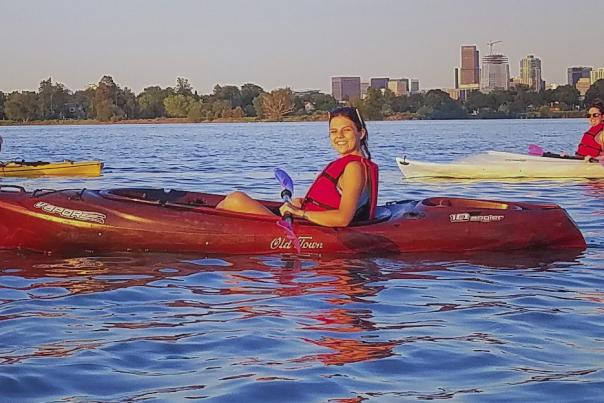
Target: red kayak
[158,220]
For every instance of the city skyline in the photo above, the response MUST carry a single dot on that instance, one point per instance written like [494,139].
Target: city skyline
[299,45]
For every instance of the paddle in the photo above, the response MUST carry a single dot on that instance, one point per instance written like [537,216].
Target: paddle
[286,194]
[534,149]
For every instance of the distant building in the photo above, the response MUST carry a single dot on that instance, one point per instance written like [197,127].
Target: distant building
[469,73]
[530,73]
[459,94]
[575,73]
[413,86]
[364,87]
[399,86]
[495,73]
[454,93]
[379,83]
[583,85]
[515,81]
[309,107]
[346,88]
[597,74]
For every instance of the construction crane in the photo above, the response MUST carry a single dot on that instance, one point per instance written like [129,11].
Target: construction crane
[491,43]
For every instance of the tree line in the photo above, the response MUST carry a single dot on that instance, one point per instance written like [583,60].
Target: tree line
[517,102]
[107,101]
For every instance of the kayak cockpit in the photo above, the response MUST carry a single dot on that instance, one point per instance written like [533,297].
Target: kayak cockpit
[180,198]
[162,197]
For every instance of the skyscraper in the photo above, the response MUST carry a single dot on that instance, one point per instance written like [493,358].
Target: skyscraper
[346,88]
[469,73]
[379,83]
[495,73]
[530,73]
[597,74]
[575,73]
[399,86]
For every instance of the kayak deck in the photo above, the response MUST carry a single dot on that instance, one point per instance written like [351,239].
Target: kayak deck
[41,168]
[502,165]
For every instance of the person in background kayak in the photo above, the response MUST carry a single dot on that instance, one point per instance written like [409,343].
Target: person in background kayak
[592,142]
[344,192]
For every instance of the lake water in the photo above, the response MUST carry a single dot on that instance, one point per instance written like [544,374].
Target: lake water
[522,326]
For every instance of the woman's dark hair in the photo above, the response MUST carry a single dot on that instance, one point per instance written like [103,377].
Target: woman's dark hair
[597,103]
[353,114]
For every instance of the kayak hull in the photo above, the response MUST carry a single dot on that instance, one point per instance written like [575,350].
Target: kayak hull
[502,165]
[76,221]
[63,168]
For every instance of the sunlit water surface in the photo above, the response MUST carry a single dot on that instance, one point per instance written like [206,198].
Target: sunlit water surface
[522,326]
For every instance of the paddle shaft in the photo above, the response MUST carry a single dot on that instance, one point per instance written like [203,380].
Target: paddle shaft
[286,195]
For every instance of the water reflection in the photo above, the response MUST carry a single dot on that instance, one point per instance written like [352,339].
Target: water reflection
[337,315]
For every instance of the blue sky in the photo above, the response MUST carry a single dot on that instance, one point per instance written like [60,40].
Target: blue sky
[272,43]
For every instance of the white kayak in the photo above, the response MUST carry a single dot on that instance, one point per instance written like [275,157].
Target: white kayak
[502,165]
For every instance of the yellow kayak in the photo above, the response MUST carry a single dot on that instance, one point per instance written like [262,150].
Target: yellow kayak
[40,168]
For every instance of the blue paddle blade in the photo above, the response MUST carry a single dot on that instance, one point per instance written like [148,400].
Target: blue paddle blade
[284,179]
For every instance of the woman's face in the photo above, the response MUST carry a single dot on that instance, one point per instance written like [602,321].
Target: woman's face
[344,136]
[595,116]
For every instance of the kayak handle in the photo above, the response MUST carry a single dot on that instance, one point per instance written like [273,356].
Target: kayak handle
[20,188]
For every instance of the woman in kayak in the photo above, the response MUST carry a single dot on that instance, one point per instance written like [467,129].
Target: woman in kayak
[592,142]
[344,192]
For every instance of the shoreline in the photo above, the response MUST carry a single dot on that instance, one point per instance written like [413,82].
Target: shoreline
[304,118]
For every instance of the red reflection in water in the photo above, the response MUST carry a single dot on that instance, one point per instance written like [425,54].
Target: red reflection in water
[341,284]
[346,351]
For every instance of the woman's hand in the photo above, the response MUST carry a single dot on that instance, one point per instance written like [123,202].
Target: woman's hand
[289,208]
[297,202]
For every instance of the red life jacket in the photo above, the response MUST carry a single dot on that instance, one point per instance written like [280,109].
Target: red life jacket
[323,193]
[589,145]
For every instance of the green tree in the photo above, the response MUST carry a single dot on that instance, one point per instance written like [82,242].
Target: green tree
[229,93]
[595,92]
[22,106]
[478,101]
[2,101]
[371,106]
[106,99]
[183,87]
[52,99]
[257,102]
[197,112]
[320,101]
[442,106]
[323,102]
[415,102]
[400,103]
[220,109]
[83,104]
[126,102]
[568,95]
[177,106]
[249,92]
[151,102]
